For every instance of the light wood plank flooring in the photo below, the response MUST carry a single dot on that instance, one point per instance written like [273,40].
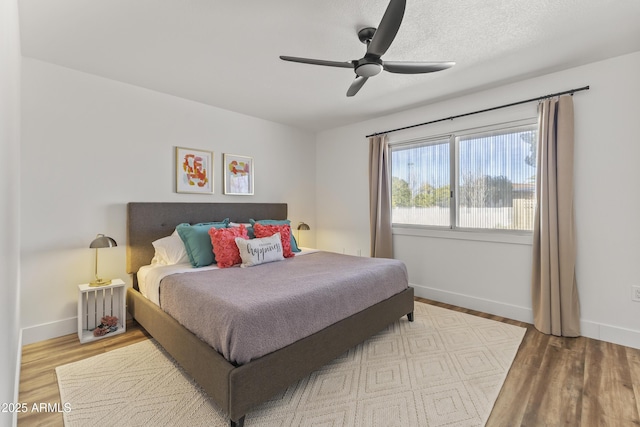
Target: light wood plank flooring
[553,381]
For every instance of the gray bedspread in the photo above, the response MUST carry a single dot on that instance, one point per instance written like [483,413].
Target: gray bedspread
[245,313]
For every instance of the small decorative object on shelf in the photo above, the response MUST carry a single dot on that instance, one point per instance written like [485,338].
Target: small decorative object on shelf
[101,310]
[107,324]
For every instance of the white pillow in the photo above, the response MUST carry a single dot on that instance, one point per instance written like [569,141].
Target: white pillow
[170,250]
[260,251]
[238,224]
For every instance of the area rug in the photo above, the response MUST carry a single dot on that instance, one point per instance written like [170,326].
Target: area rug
[444,369]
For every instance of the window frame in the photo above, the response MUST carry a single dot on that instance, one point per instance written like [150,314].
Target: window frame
[453,230]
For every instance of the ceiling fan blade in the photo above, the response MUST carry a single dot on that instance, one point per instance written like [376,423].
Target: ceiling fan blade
[388,28]
[356,85]
[318,62]
[406,67]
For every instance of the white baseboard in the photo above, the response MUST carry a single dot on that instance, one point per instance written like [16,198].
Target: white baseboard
[46,331]
[49,330]
[523,314]
[598,331]
[609,333]
[16,391]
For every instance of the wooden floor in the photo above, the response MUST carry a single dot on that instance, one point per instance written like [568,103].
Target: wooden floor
[553,381]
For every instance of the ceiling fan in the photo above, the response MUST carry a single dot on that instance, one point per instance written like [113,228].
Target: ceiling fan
[378,41]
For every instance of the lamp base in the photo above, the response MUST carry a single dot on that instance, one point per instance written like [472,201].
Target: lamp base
[99,282]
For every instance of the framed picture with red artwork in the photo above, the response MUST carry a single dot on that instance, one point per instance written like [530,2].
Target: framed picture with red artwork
[194,171]
[238,175]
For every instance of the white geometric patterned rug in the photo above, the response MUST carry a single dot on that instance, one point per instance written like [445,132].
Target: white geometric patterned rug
[444,369]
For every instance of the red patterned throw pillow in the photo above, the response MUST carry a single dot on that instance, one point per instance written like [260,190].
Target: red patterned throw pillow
[224,245]
[262,230]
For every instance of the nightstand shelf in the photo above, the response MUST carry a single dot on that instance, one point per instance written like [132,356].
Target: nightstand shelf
[96,302]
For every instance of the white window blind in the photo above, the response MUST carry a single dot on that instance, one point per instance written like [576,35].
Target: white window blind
[470,180]
[496,180]
[421,183]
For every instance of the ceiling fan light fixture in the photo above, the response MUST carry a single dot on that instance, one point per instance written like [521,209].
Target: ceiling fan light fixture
[368,70]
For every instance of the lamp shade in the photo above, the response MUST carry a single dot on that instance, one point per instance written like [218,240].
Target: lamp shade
[303,226]
[102,241]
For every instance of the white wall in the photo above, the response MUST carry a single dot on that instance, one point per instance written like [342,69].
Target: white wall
[494,276]
[90,145]
[10,345]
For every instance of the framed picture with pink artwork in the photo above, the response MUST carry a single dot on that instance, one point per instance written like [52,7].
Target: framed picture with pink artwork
[194,171]
[238,175]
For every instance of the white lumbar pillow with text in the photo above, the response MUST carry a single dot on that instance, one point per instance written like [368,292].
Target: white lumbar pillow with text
[260,251]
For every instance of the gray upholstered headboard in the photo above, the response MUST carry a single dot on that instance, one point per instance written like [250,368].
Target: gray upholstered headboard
[147,222]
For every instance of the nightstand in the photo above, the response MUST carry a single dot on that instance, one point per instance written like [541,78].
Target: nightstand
[96,302]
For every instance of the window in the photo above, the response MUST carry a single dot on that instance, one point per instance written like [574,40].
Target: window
[475,180]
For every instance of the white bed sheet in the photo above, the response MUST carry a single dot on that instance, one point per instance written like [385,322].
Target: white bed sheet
[150,276]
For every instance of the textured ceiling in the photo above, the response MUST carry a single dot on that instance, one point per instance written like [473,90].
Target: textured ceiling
[225,53]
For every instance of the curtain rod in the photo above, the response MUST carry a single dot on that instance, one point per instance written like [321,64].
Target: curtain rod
[571,91]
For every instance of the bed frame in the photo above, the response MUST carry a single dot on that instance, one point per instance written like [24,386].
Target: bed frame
[237,389]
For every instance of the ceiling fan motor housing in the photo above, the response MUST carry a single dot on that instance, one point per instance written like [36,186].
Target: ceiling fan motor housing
[368,66]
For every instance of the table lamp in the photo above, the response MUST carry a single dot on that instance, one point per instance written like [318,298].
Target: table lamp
[302,226]
[101,241]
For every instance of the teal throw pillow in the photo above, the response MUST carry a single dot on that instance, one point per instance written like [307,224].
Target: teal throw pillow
[197,241]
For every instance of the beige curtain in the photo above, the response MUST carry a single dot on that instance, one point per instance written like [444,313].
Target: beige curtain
[556,308]
[380,197]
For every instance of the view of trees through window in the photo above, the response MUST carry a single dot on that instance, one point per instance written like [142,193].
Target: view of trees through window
[493,186]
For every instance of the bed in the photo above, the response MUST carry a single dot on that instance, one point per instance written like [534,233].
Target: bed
[237,388]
